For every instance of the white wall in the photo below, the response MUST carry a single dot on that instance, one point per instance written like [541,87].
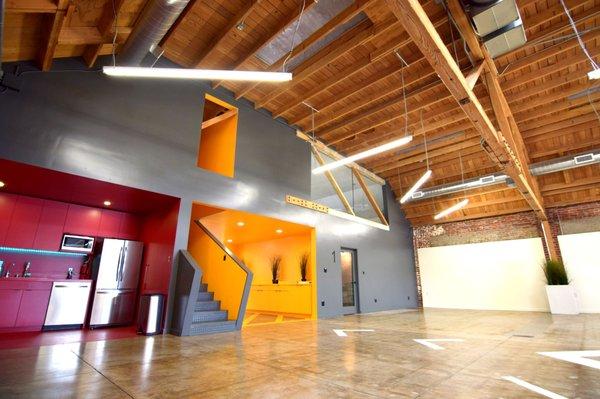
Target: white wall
[581,254]
[499,275]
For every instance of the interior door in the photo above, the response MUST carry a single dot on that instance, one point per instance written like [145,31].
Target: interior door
[349,268]
[130,265]
[110,262]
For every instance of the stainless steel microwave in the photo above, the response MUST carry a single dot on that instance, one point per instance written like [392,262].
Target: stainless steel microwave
[82,244]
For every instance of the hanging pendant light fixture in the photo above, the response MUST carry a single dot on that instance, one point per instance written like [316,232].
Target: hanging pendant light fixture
[196,74]
[379,149]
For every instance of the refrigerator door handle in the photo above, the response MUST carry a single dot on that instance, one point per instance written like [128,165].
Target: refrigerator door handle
[122,265]
[119,263]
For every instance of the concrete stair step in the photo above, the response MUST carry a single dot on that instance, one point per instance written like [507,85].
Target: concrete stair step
[203,287]
[206,296]
[209,315]
[207,305]
[212,327]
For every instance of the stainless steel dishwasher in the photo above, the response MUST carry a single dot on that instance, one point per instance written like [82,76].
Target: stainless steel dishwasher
[68,305]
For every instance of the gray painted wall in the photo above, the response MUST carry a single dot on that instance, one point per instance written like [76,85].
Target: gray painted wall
[145,134]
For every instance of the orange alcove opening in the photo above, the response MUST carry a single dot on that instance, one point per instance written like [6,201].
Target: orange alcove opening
[218,137]
[255,240]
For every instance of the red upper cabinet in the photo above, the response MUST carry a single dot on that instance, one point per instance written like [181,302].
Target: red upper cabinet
[24,222]
[82,220]
[110,224]
[52,222]
[7,206]
[130,227]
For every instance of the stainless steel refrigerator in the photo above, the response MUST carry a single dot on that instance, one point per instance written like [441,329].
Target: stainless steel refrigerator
[117,274]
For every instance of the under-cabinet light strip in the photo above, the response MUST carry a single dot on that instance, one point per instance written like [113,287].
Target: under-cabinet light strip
[29,251]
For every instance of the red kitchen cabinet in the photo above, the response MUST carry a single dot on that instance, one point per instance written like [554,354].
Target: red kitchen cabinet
[32,311]
[9,307]
[50,229]
[110,223]
[24,222]
[7,206]
[82,220]
[130,227]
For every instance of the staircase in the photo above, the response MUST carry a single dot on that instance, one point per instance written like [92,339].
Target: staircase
[208,317]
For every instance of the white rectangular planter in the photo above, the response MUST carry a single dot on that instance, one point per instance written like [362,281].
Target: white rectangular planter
[562,299]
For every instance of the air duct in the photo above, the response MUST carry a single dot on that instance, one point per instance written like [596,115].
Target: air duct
[537,169]
[154,23]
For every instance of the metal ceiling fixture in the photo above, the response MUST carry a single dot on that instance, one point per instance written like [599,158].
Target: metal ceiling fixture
[537,169]
[497,23]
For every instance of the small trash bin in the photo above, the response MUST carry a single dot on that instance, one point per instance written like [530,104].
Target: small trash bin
[150,314]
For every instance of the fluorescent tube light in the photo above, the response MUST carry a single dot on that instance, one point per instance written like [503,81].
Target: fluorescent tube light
[453,208]
[357,219]
[416,186]
[205,74]
[365,154]
[595,74]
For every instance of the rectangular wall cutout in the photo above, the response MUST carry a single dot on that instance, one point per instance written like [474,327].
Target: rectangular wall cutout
[218,137]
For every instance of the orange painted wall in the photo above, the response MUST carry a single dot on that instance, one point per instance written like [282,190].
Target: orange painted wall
[223,276]
[290,296]
[217,146]
[257,256]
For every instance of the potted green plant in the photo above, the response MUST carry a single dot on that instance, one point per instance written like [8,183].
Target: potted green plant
[275,265]
[304,265]
[561,295]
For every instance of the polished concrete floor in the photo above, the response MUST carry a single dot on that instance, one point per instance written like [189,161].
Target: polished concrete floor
[309,359]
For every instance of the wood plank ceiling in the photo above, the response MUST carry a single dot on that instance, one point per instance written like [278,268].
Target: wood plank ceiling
[356,83]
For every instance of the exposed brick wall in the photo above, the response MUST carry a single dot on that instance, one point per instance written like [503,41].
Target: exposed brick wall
[564,220]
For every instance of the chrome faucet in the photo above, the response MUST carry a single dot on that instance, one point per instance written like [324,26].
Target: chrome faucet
[26,272]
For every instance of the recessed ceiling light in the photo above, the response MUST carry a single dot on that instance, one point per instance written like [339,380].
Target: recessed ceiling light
[278,231]
[241,26]
[230,240]
[241,224]
[2,184]
[107,203]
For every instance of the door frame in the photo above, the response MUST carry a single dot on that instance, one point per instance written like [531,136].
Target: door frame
[347,310]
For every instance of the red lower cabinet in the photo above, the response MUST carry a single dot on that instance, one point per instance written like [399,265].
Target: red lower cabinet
[32,310]
[10,300]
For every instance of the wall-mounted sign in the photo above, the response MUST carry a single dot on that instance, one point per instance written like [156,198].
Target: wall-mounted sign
[290,199]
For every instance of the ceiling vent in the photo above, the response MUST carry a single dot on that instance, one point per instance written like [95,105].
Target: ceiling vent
[498,24]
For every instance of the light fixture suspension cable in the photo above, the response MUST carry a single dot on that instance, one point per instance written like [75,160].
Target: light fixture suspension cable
[403,92]
[294,36]
[424,138]
[581,43]
[114,42]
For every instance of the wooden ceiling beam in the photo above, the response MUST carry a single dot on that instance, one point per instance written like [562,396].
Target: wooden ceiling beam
[419,26]
[351,70]
[55,24]
[253,52]
[529,24]
[217,40]
[351,39]
[517,82]
[30,6]
[106,28]
[304,45]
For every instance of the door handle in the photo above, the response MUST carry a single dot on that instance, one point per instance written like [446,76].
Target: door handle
[119,263]
[123,262]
